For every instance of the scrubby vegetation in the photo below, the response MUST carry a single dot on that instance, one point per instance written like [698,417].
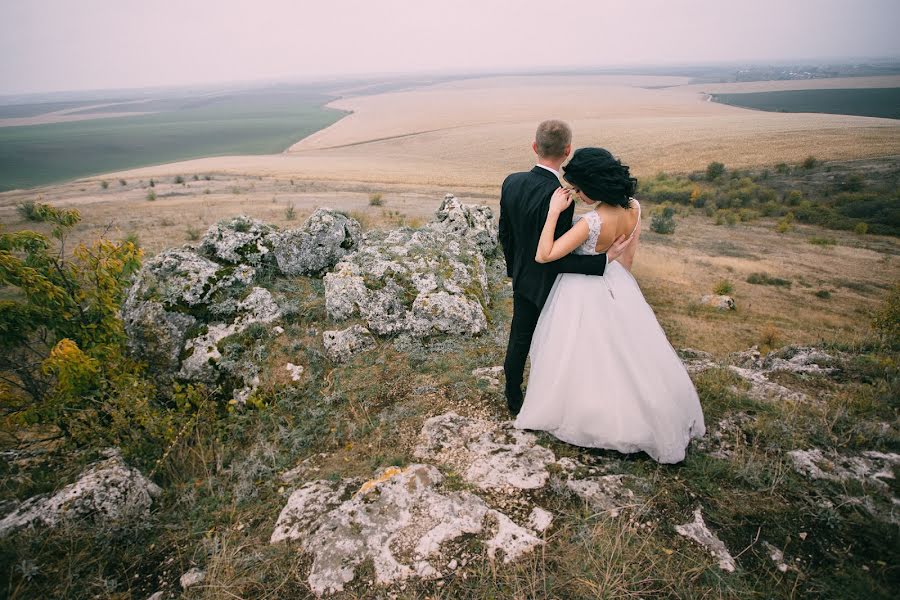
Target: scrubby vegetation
[862,197]
[224,472]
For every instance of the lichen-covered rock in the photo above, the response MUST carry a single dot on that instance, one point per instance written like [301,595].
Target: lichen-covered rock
[867,467]
[400,521]
[157,336]
[341,345]
[484,453]
[181,277]
[325,238]
[718,302]
[700,533]
[201,354]
[239,240]
[474,222]
[421,281]
[108,491]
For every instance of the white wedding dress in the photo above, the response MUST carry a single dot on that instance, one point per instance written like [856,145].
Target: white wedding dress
[603,374]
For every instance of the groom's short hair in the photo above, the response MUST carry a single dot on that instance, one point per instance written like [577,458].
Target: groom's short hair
[552,137]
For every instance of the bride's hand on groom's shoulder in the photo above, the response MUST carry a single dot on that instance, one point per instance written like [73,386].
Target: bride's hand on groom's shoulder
[560,200]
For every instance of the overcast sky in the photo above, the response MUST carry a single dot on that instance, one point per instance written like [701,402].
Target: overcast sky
[50,45]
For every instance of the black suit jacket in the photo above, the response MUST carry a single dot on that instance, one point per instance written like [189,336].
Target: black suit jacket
[524,204]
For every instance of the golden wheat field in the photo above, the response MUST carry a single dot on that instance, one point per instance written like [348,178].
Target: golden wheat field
[474,131]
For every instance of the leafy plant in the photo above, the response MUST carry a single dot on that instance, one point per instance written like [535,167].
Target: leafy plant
[375,199]
[61,326]
[714,170]
[663,220]
[724,287]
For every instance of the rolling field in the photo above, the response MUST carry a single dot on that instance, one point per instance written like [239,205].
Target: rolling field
[260,122]
[871,102]
[471,133]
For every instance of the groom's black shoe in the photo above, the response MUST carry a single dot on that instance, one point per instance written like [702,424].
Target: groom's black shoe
[514,402]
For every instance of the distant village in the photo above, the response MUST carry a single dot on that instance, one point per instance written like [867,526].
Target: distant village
[774,73]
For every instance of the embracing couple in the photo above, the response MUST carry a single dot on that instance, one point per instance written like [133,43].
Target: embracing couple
[603,374]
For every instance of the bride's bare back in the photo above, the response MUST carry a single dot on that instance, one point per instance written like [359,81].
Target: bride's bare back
[617,221]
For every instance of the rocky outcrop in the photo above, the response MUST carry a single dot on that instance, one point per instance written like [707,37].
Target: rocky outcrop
[401,520]
[425,281]
[325,238]
[108,492]
[185,301]
[473,222]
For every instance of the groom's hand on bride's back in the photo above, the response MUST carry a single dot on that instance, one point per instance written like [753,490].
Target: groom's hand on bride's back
[618,248]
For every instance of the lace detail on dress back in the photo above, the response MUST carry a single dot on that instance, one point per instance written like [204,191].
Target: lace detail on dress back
[589,247]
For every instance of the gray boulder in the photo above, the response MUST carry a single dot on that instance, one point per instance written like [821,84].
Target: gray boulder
[108,491]
[718,302]
[474,222]
[239,240]
[341,345]
[325,238]
[421,281]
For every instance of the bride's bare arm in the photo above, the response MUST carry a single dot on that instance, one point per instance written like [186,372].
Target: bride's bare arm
[549,249]
[628,256]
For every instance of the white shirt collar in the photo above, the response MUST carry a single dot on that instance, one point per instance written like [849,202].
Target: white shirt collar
[552,170]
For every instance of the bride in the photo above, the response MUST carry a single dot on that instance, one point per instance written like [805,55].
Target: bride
[603,374]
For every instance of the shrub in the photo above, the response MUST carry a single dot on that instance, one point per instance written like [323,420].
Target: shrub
[886,321]
[785,224]
[766,279]
[152,183]
[289,212]
[714,170]
[192,233]
[207,191]
[861,229]
[32,211]
[375,199]
[151,195]
[723,288]
[769,338]
[133,239]
[782,169]
[61,330]
[809,162]
[104,184]
[196,177]
[793,197]
[123,183]
[824,294]
[663,220]
[178,179]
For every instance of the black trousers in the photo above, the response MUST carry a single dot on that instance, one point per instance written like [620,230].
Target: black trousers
[525,318]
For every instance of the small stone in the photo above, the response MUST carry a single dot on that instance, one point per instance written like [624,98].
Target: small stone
[718,302]
[192,578]
[540,519]
[295,370]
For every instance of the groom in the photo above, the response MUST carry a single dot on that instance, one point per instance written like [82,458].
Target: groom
[524,203]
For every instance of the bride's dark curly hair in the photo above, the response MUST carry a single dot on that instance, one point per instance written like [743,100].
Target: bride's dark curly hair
[601,176]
